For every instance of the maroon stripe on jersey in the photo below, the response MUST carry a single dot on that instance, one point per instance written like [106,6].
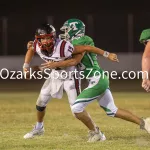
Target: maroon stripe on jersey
[62,49]
[77,85]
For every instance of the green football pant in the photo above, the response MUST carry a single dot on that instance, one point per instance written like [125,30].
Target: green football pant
[98,88]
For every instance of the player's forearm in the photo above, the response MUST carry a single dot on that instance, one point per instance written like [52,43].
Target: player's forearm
[29,55]
[92,49]
[28,58]
[146,63]
[65,63]
[70,62]
[146,60]
[146,66]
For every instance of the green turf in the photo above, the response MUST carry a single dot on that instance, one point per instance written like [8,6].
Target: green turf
[63,131]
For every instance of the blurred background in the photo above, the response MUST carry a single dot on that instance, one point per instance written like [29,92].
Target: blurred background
[115,26]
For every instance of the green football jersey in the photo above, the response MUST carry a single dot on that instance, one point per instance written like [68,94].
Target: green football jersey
[89,64]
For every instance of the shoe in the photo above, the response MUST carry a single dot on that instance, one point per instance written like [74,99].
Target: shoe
[145,124]
[96,135]
[34,132]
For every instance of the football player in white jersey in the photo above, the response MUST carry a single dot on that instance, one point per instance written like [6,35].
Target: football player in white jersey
[49,48]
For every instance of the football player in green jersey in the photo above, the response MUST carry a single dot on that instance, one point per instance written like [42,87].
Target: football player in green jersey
[98,88]
[62,51]
[145,39]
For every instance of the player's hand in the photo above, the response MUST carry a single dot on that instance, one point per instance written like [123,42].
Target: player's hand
[146,85]
[30,45]
[50,65]
[29,70]
[26,73]
[36,68]
[113,57]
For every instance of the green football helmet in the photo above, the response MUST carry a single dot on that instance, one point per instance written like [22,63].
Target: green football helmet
[73,29]
[145,36]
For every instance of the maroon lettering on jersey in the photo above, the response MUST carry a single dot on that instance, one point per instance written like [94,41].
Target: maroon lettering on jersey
[62,49]
[70,49]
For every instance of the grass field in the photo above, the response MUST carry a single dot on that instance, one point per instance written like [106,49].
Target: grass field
[62,130]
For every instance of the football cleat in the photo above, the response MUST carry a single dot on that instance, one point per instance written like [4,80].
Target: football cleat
[96,135]
[145,124]
[34,132]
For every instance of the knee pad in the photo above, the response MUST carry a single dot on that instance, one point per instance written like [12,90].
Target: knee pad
[77,108]
[40,108]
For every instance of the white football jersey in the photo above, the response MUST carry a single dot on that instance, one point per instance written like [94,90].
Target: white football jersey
[62,50]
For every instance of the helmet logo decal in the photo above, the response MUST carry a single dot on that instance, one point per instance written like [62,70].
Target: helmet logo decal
[73,25]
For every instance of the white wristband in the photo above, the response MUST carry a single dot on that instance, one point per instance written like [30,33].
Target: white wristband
[106,54]
[25,65]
